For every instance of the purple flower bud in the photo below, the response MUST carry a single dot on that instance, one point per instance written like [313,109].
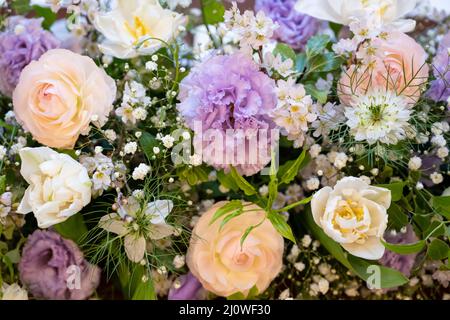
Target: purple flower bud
[190,289]
[295,28]
[54,268]
[440,88]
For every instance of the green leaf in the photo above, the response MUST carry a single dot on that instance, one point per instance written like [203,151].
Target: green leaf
[273,192]
[438,249]
[145,291]
[332,246]
[13,255]
[325,63]
[193,175]
[237,296]
[73,228]
[148,142]
[405,248]
[21,6]
[442,205]
[46,13]
[229,217]
[213,11]
[227,181]
[243,184]
[281,226]
[396,189]
[316,45]
[389,278]
[290,169]
[2,184]
[435,229]
[285,51]
[397,218]
[300,62]
[320,96]
[227,208]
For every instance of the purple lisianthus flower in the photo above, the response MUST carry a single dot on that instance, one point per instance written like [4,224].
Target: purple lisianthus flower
[23,41]
[226,100]
[295,28]
[187,288]
[402,263]
[54,268]
[440,88]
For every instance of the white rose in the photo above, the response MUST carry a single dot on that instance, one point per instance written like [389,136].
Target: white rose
[385,12]
[13,292]
[136,27]
[59,186]
[353,214]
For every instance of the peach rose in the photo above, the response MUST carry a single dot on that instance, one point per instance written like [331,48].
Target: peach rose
[216,259]
[59,95]
[399,64]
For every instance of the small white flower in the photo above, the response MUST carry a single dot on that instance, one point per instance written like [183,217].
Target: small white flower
[437,178]
[101,181]
[306,241]
[98,149]
[168,141]
[299,266]
[340,161]
[110,135]
[264,190]
[313,183]
[141,172]
[315,150]
[3,152]
[130,148]
[156,150]
[419,185]
[140,113]
[151,66]
[415,163]
[324,285]
[439,141]
[186,135]
[442,152]
[179,261]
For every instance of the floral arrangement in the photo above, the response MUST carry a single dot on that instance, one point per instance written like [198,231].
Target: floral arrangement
[276,149]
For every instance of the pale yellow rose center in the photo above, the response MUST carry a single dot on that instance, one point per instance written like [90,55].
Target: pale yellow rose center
[349,210]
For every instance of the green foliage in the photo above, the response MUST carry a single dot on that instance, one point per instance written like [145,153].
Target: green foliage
[2,184]
[389,278]
[285,51]
[253,293]
[397,218]
[243,184]
[193,175]
[148,142]
[46,13]
[213,11]
[290,169]
[438,250]
[227,181]
[281,225]
[73,228]
[317,45]
[320,96]
[406,248]
[396,189]
[442,205]
[232,206]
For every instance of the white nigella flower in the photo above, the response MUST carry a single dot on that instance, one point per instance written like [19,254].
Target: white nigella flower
[379,116]
[138,225]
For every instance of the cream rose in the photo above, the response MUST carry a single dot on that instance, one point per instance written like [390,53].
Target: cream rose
[136,27]
[13,292]
[400,65]
[353,214]
[60,94]
[215,257]
[59,186]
